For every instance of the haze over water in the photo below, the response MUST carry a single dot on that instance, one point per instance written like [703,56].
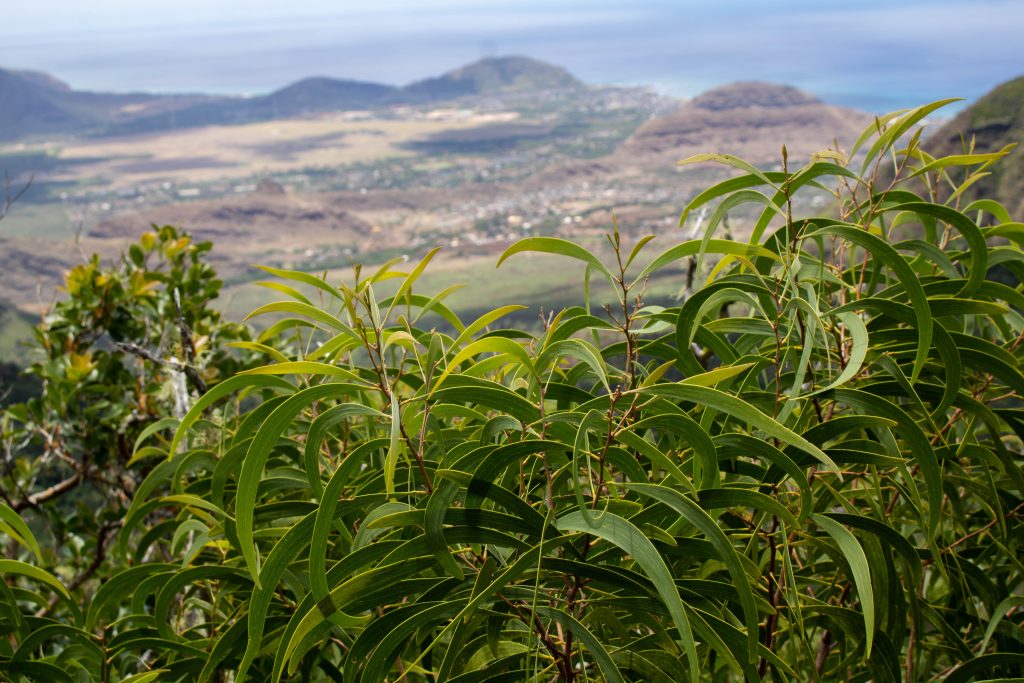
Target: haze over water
[877,56]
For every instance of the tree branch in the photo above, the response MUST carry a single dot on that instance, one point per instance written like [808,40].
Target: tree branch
[190,372]
[189,348]
[45,495]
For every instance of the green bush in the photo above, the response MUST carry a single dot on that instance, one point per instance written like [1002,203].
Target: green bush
[809,469]
[131,345]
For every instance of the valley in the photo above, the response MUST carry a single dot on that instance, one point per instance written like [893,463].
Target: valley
[470,161]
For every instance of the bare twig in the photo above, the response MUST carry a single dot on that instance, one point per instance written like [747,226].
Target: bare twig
[187,344]
[9,197]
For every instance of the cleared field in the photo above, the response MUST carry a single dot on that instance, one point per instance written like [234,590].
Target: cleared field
[207,154]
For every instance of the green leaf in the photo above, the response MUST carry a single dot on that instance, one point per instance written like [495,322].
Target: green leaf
[410,279]
[394,447]
[997,615]
[12,524]
[304,278]
[693,247]
[305,310]
[696,516]
[225,388]
[628,538]
[252,466]
[898,128]
[854,555]
[554,245]
[741,410]
[25,569]
[885,253]
[482,322]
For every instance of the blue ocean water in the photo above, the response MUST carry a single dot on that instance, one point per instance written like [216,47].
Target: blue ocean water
[879,57]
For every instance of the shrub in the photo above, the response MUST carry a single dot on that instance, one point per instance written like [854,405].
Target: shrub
[131,345]
[809,469]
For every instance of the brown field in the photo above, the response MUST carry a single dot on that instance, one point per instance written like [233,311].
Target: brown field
[214,152]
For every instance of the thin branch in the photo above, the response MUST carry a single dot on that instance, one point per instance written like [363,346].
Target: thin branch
[187,345]
[145,354]
[55,491]
[10,199]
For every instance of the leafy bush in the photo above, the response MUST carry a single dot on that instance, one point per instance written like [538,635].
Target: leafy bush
[809,469]
[129,346]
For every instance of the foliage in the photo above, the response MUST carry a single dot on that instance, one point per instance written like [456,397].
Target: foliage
[127,348]
[809,469]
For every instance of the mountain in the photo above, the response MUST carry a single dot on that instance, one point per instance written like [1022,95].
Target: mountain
[33,103]
[324,94]
[308,96]
[752,120]
[994,121]
[492,76]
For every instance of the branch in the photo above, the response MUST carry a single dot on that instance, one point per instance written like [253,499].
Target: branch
[45,495]
[10,199]
[190,372]
[186,344]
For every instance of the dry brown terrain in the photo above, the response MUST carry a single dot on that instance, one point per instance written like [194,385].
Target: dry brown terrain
[750,120]
[215,152]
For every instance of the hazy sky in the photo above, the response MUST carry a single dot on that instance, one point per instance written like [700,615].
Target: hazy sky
[871,51]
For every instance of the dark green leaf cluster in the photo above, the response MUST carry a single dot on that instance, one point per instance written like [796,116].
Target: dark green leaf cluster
[808,469]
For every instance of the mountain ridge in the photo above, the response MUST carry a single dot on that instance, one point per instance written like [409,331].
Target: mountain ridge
[36,103]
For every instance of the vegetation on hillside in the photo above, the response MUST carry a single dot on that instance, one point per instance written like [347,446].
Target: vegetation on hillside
[992,125]
[811,467]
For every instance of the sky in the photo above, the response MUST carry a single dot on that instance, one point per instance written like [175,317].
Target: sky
[876,54]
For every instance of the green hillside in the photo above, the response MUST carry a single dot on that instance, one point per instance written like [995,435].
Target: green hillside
[994,121]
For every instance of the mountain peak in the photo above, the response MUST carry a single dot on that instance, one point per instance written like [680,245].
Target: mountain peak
[753,94]
[320,93]
[33,103]
[37,79]
[495,75]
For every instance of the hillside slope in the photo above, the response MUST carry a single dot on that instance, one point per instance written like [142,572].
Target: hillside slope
[749,119]
[33,103]
[15,333]
[994,121]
